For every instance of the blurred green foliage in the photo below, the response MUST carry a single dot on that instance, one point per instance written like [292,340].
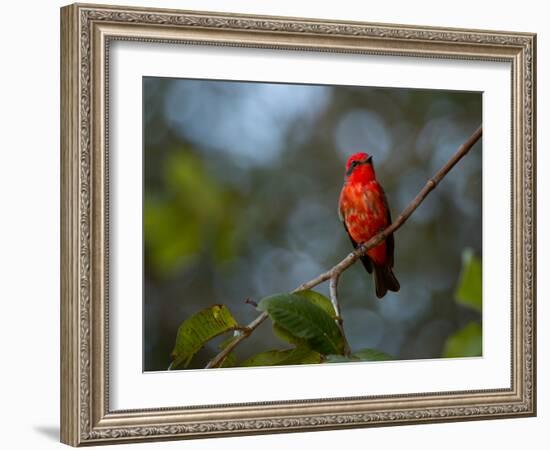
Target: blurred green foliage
[469,290]
[197,214]
[467,341]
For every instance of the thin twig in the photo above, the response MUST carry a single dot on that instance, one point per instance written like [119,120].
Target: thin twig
[249,301]
[333,285]
[244,333]
[333,292]
[334,273]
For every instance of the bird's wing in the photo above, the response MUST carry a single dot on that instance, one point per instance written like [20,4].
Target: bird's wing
[389,240]
[364,259]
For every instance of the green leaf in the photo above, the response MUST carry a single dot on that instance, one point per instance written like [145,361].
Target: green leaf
[194,332]
[369,354]
[465,342]
[469,290]
[269,358]
[286,336]
[318,299]
[294,356]
[340,359]
[314,298]
[366,354]
[302,355]
[303,319]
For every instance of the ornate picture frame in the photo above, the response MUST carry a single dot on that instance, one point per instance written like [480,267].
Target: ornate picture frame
[87,31]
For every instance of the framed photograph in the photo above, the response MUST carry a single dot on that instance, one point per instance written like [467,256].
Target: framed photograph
[276,224]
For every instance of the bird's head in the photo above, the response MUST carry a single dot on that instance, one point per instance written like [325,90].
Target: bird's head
[358,160]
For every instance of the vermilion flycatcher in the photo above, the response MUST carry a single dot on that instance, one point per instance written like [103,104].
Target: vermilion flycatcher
[364,211]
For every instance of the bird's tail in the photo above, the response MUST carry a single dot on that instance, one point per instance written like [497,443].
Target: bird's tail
[384,280]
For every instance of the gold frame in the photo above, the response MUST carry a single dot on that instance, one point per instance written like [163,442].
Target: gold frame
[86,31]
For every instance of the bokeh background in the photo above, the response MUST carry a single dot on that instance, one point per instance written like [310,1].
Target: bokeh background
[241,185]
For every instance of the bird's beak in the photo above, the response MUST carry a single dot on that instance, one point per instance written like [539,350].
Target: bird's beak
[369,159]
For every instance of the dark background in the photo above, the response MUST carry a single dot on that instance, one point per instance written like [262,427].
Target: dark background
[241,185]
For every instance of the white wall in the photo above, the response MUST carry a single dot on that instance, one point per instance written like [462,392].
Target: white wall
[29,225]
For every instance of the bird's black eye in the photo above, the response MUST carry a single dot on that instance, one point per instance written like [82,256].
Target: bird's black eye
[352,166]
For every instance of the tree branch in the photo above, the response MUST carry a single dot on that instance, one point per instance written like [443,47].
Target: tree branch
[334,273]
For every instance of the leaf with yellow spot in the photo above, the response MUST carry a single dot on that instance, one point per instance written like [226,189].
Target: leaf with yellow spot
[196,331]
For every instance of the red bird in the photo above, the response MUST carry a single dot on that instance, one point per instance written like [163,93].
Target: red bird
[364,211]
